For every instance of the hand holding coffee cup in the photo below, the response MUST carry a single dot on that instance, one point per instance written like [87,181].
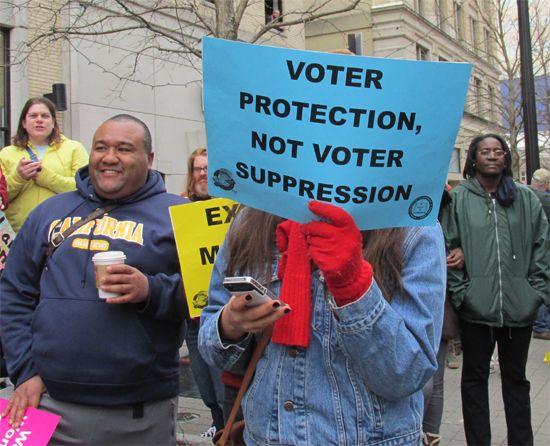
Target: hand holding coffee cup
[117,282]
[101,261]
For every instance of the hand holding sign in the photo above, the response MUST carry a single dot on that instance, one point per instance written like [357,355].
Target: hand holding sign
[26,395]
[36,428]
[336,247]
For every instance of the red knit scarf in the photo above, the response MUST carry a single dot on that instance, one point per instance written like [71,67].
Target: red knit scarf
[295,271]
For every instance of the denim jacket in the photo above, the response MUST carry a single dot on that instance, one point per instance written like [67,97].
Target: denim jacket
[359,382]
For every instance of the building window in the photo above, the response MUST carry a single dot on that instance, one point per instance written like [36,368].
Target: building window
[523,176]
[473,33]
[4,88]
[478,96]
[454,165]
[355,43]
[273,12]
[422,53]
[458,19]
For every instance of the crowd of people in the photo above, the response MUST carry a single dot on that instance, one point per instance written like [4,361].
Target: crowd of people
[360,330]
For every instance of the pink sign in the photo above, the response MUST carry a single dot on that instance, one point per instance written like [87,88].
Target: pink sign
[36,429]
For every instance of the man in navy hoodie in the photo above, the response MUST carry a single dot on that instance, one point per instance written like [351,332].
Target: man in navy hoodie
[110,368]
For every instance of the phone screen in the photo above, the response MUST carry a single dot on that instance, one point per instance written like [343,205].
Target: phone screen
[239,286]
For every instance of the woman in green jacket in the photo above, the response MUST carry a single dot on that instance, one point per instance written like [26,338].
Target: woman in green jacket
[41,162]
[502,231]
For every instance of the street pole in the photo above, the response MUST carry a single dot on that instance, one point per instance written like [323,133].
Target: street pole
[532,162]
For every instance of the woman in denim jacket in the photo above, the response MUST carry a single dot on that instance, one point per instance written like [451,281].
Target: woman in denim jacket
[351,349]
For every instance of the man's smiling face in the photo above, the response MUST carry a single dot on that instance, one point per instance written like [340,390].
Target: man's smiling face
[119,163]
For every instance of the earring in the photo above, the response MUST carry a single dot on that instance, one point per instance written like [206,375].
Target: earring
[473,164]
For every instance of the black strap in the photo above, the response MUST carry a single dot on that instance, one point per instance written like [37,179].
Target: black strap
[57,239]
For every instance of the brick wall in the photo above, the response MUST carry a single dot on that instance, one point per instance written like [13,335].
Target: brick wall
[44,62]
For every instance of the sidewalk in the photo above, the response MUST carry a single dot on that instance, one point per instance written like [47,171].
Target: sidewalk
[195,417]
[538,373]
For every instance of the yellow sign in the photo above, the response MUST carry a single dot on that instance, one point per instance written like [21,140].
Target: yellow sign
[199,229]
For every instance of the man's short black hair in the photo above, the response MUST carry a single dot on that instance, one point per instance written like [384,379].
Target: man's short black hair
[147,140]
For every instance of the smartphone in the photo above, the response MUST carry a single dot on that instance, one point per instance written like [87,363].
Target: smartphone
[248,285]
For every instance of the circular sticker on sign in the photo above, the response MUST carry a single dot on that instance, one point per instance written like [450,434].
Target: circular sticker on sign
[200,299]
[223,179]
[421,207]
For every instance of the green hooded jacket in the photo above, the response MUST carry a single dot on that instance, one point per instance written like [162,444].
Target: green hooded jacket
[506,272]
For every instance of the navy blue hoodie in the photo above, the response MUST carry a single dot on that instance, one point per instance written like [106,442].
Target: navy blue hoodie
[52,322]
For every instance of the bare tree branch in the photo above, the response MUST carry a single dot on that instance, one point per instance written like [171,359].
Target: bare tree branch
[171,30]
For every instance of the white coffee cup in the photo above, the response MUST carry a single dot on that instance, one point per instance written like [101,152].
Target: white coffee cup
[101,261]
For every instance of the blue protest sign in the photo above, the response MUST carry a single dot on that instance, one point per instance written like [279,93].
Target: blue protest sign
[371,135]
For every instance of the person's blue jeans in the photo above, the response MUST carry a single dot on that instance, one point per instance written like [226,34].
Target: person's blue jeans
[207,377]
[542,324]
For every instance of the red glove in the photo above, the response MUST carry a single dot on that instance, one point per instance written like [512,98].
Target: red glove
[336,247]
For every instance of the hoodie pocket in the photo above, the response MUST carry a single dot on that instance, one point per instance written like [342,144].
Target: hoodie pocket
[90,341]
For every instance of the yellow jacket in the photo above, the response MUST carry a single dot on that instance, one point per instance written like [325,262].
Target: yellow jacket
[59,166]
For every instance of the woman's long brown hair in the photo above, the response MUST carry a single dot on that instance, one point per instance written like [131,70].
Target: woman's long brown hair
[252,250]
